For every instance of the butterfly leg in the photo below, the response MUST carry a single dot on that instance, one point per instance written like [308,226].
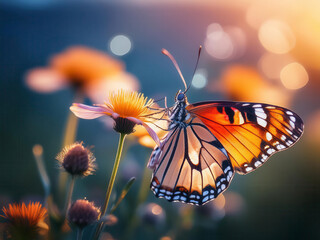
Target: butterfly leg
[154,158]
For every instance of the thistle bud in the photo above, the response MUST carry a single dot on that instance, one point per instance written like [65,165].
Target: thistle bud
[77,160]
[83,213]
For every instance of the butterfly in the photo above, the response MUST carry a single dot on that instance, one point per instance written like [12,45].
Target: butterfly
[207,142]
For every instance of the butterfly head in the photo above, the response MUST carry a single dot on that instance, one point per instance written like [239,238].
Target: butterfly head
[181,97]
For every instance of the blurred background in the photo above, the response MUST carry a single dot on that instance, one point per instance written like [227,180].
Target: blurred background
[253,50]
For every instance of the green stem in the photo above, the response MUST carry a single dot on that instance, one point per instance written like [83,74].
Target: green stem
[110,185]
[37,152]
[69,137]
[69,195]
[79,233]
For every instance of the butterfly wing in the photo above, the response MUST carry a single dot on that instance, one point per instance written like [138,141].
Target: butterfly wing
[190,166]
[250,132]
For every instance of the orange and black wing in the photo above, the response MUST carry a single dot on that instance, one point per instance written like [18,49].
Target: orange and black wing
[191,165]
[250,132]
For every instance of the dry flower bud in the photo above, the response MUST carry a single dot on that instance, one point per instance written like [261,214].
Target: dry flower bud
[77,160]
[83,213]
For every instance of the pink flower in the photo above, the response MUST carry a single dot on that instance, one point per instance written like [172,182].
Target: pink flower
[126,108]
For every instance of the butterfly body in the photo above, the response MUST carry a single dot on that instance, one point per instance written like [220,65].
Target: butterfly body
[179,114]
[207,142]
[189,185]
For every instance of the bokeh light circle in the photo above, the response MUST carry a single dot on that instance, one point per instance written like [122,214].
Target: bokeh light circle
[276,36]
[271,64]
[218,43]
[200,79]
[120,45]
[294,76]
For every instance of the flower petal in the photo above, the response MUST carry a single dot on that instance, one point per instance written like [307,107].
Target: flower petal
[87,112]
[107,110]
[115,115]
[151,132]
[45,80]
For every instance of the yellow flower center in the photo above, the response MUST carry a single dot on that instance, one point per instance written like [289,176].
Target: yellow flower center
[129,104]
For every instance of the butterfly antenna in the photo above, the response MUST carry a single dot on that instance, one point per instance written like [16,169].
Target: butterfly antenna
[166,52]
[195,69]
[165,102]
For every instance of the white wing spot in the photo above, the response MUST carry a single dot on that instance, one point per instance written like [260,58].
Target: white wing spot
[288,131]
[292,124]
[269,151]
[259,110]
[249,169]
[293,119]
[268,136]
[205,199]
[261,114]
[262,122]
[257,163]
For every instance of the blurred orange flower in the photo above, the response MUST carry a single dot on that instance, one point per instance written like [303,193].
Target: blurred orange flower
[244,83]
[25,220]
[88,70]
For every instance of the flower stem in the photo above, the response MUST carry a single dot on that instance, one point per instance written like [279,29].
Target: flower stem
[79,233]
[38,155]
[68,138]
[110,185]
[69,195]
